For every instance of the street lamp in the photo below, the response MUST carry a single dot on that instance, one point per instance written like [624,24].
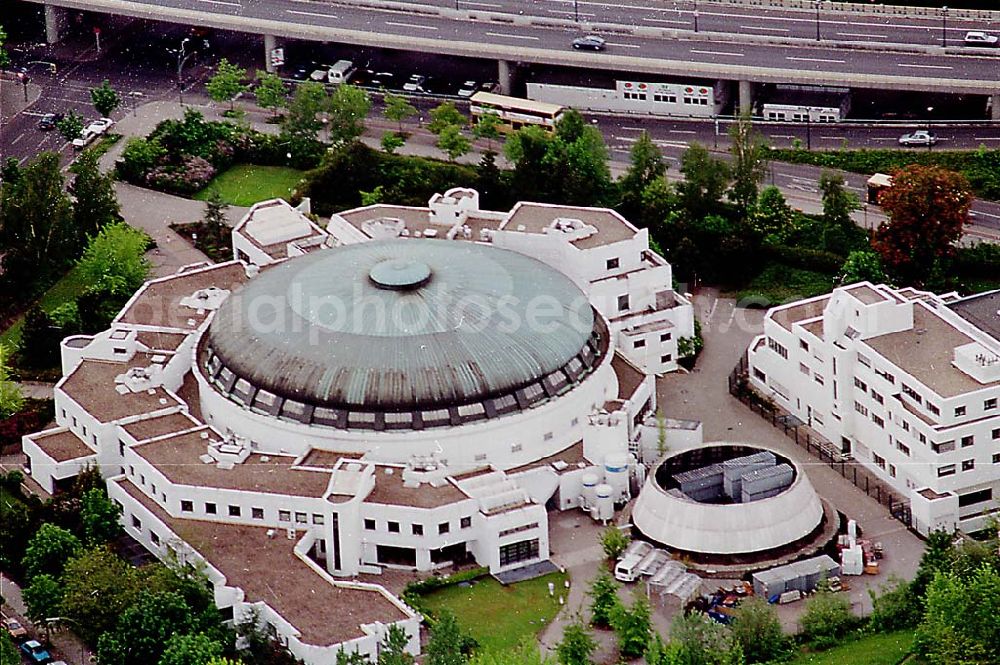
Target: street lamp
[576,11]
[696,15]
[182,58]
[809,142]
[930,109]
[944,26]
[817,20]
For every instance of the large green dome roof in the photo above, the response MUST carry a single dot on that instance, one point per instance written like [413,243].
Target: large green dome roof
[403,325]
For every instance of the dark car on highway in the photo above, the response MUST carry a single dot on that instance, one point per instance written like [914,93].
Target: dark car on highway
[590,43]
[49,121]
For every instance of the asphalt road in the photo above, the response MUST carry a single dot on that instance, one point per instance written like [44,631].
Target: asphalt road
[691,54]
[740,20]
[149,75]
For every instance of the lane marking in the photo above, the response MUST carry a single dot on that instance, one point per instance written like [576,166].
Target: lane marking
[682,131]
[861,34]
[903,64]
[665,20]
[798,59]
[222,2]
[411,25]
[478,4]
[986,138]
[738,55]
[297,12]
[761,27]
[501,34]
[623,45]
[782,136]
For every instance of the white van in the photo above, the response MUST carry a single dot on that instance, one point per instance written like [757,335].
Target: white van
[341,71]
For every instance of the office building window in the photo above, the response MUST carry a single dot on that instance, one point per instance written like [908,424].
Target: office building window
[664,337]
[968,464]
[623,303]
[257,513]
[417,529]
[612,263]
[136,524]
[369,525]
[523,550]
[284,516]
[210,508]
[946,470]
[444,527]
[666,357]
[187,506]
[990,404]
[638,344]
[318,519]
[968,441]
[466,522]
[234,511]
[959,411]
[393,527]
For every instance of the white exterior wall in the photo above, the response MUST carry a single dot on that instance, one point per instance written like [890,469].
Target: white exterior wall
[894,450]
[429,518]
[798,113]
[45,470]
[487,547]
[540,431]
[673,99]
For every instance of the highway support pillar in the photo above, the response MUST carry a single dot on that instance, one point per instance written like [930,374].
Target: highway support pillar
[271,44]
[505,75]
[55,20]
[995,106]
[746,97]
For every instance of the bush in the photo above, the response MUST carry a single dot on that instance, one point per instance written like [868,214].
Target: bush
[827,618]
[32,417]
[816,260]
[614,542]
[190,176]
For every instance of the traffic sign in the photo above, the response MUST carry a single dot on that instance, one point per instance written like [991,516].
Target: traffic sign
[277,57]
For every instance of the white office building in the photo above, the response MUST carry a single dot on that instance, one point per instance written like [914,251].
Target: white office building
[908,382]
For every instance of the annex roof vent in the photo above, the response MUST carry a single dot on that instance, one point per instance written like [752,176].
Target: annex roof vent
[206,299]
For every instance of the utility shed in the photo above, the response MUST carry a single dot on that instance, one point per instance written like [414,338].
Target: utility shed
[766,482]
[733,470]
[801,575]
[701,484]
[672,586]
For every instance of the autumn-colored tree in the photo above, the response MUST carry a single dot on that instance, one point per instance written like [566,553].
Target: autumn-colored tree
[926,208]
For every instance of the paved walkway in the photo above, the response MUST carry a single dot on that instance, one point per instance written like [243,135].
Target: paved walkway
[36,389]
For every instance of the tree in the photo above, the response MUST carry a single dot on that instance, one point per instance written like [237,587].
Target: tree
[392,141]
[228,661]
[8,652]
[36,222]
[349,106]
[215,219]
[4,57]
[527,653]
[40,340]
[646,166]
[301,122]
[487,127]
[397,109]
[71,126]
[453,142]
[603,594]
[270,91]
[104,98]
[580,146]
[226,83]
[43,598]
[577,644]
[862,266]
[352,658]
[633,627]
[771,218]
[757,630]
[98,587]
[190,649]
[705,180]
[11,399]
[114,261]
[926,209]
[445,644]
[660,653]
[699,640]
[614,542]
[894,607]
[393,650]
[446,115]
[100,518]
[95,201]
[938,557]
[48,551]
[749,166]
[960,623]
[838,202]
[827,618]
[144,628]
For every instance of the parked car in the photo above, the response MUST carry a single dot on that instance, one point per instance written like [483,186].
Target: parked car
[980,38]
[919,137]
[101,125]
[49,121]
[590,43]
[320,75]
[415,83]
[85,138]
[35,652]
[468,89]
[15,629]
[300,73]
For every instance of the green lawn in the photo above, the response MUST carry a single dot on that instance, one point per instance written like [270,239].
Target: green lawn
[500,617]
[887,649]
[778,284]
[246,184]
[67,289]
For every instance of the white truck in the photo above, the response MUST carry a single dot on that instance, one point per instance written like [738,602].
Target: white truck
[627,568]
[341,72]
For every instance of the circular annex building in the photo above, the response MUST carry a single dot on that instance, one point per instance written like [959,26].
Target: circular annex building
[731,503]
[389,344]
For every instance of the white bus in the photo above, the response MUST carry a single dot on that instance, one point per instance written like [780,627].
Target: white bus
[515,113]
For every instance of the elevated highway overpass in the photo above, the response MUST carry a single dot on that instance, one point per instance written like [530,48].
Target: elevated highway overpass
[515,38]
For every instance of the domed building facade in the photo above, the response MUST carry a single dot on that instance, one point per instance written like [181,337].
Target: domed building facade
[407,388]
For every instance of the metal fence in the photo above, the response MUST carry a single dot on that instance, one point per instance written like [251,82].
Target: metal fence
[817,445]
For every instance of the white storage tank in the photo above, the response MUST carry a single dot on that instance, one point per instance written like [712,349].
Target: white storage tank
[604,505]
[616,475]
[589,482]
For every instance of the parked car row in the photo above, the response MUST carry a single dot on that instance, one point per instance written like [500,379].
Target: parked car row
[370,76]
[32,649]
[91,132]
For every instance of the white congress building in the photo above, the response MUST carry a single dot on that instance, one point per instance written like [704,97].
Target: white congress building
[908,382]
[406,388]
